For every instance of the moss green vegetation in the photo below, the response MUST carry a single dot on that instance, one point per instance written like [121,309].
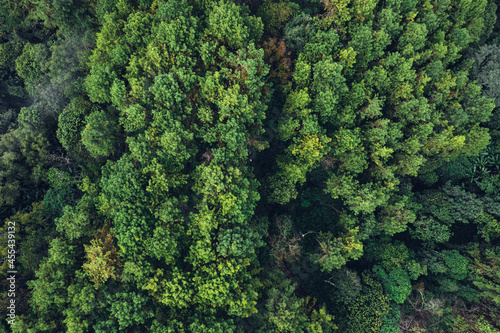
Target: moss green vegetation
[250,165]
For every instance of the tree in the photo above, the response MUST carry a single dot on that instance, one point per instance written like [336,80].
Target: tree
[71,122]
[486,65]
[297,31]
[102,262]
[182,88]
[484,266]
[100,134]
[33,233]
[382,125]
[367,313]
[396,283]
[23,162]
[49,295]
[175,118]
[31,64]
[274,15]
[337,251]
[285,312]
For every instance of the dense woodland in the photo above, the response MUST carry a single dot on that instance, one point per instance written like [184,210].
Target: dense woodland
[251,165]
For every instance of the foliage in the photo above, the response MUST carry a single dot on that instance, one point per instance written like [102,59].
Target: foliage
[347,285]
[277,55]
[285,312]
[259,166]
[100,133]
[336,251]
[396,283]
[297,31]
[367,313]
[33,234]
[487,64]
[31,64]
[364,74]
[71,123]
[23,162]
[391,320]
[486,277]
[274,15]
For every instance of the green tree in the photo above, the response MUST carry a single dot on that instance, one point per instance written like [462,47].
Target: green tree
[375,128]
[32,63]
[484,266]
[181,198]
[285,312]
[100,134]
[335,252]
[396,283]
[49,295]
[367,313]
[23,162]
[71,123]
[274,15]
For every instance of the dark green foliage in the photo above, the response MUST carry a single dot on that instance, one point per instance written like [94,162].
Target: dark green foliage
[55,200]
[8,121]
[71,123]
[449,268]
[347,285]
[367,313]
[390,323]
[390,255]
[435,218]
[274,15]
[32,63]
[486,68]
[456,264]
[62,191]
[76,222]
[285,312]
[487,64]
[33,234]
[157,140]
[49,295]
[297,32]
[485,266]
[466,206]
[430,231]
[101,134]
[65,15]
[455,171]
[9,52]
[23,162]
[336,251]
[396,283]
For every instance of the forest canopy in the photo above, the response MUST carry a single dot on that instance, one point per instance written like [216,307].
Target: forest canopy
[250,165]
